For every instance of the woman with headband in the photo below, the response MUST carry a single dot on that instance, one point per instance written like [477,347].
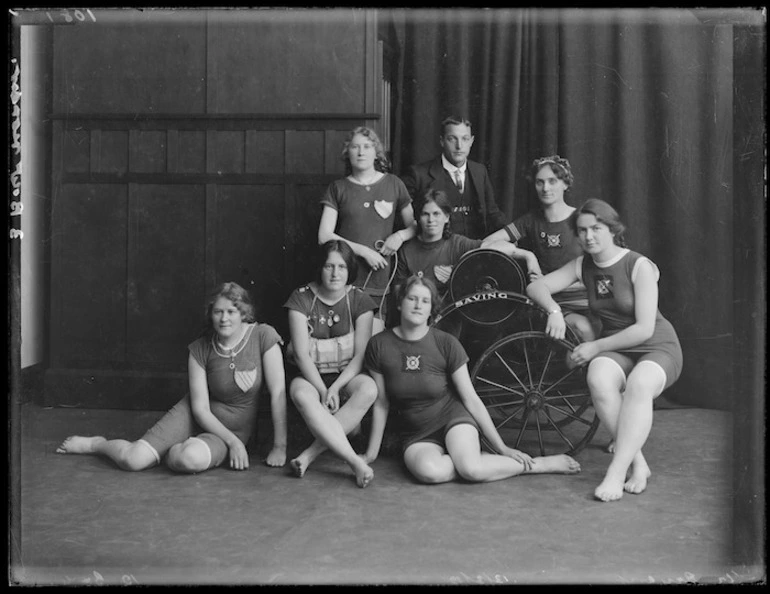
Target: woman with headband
[544,240]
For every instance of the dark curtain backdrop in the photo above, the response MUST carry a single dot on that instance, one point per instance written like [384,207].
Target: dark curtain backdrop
[639,101]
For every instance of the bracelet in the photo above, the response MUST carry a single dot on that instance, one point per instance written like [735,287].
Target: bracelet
[553,311]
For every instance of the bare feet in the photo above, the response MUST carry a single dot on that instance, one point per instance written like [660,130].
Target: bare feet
[560,464]
[611,488]
[299,466]
[640,473]
[610,447]
[75,444]
[364,476]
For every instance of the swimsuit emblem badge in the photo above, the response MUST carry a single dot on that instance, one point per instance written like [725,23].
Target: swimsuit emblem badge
[383,208]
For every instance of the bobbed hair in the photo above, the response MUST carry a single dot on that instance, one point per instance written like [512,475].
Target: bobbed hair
[403,291]
[349,257]
[235,293]
[605,214]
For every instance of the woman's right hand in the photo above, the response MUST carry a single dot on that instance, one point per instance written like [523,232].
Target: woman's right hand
[239,457]
[374,259]
[331,399]
[521,457]
[533,268]
[556,327]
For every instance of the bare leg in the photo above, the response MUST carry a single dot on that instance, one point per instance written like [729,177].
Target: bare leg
[429,463]
[474,465]
[581,326]
[631,428]
[127,455]
[363,394]
[327,429]
[605,382]
[189,457]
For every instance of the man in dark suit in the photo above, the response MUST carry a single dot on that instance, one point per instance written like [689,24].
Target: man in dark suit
[475,213]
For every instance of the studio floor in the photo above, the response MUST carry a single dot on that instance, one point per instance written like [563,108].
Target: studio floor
[80,520]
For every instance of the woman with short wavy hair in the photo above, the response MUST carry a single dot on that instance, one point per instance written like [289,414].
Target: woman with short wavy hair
[636,356]
[213,423]
[363,209]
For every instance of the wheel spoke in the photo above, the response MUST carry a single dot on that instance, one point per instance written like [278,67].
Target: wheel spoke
[570,415]
[561,379]
[556,428]
[501,386]
[511,371]
[545,368]
[581,395]
[539,434]
[524,421]
[532,394]
[526,359]
[508,418]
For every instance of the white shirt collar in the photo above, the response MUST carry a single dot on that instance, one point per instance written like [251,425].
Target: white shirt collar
[451,167]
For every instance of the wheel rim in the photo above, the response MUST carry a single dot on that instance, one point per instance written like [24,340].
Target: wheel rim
[536,402]
[484,270]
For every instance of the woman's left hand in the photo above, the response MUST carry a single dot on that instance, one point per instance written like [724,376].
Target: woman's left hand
[392,244]
[584,352]
[332,399]
[276,457]
[520,457]
[239,457]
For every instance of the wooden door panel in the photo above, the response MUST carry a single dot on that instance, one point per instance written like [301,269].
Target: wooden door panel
[166,273]
[250,245]
[91,253]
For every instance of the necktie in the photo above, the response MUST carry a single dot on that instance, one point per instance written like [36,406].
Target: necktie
[459,180]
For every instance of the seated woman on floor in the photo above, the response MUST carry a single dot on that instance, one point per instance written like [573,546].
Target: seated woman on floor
[215,420]
[330,323]
[636,356]
[424,372]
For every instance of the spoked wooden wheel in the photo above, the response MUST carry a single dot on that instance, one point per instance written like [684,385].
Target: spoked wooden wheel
[538,404]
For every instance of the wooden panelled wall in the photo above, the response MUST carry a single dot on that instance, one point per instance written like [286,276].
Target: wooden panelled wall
[187,152]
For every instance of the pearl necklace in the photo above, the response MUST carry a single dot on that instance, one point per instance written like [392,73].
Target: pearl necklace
[233,352]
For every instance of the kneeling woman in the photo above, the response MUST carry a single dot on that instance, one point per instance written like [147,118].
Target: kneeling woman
[424,372]
[215,420]
[330,323]
[637,354]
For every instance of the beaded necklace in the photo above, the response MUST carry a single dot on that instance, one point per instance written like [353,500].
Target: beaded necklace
[233,351]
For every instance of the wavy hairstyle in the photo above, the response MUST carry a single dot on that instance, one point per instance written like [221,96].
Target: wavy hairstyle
[560,167]
[605,214]
[381,162]
[455,121]
[235,293]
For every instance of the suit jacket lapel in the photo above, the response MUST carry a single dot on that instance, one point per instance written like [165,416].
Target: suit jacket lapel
[436,169]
